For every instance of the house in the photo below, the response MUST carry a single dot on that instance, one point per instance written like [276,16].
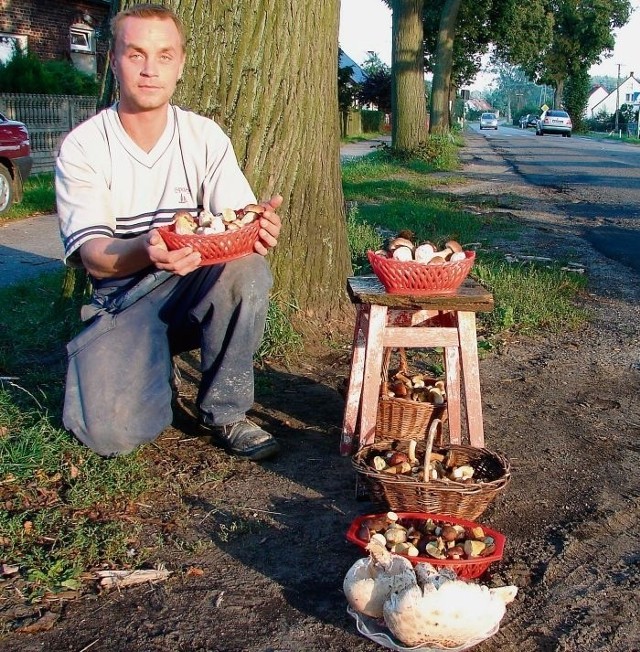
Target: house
[596,95]
[627,92]
[358,76]
[71,30]
[478,104]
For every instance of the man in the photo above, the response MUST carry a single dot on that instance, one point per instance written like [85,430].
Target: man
[119,176]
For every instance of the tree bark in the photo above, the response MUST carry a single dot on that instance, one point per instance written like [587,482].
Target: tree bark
[439,115]
[266,71]
[409,106]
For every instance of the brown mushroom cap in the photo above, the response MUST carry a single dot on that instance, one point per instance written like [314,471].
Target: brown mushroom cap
[254,208]
[453,245]
[182,213]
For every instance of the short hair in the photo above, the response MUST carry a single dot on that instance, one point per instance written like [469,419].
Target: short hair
[148,10]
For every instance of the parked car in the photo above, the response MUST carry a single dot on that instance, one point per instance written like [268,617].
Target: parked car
[488,121]
[554,121]
[532,120]
[523,121]
[15,161]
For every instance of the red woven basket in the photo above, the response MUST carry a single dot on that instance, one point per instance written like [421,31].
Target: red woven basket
[467,569]
[400,277]
[218,248]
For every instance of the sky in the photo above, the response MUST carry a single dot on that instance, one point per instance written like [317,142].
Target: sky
[366,25]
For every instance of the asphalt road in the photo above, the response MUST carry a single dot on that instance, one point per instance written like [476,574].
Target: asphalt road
[598,182]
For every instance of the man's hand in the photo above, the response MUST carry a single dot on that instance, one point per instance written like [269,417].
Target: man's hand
[270,225]
[179,261]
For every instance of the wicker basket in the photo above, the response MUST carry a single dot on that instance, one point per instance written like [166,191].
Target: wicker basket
[215,249]
[402,277]
[401,418]
[402,493]
[467,569]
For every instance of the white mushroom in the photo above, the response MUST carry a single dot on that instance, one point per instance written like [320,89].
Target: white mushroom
[403,253]
[442,610]
[370,581]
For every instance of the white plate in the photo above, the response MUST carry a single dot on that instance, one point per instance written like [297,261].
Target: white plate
[377,632]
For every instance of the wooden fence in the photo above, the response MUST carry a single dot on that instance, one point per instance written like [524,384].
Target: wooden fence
[48,118]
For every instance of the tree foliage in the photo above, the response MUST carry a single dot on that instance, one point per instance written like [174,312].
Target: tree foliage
[576,96]
[582,32]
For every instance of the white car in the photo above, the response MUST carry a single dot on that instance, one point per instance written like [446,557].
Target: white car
[488,121]
[554,121]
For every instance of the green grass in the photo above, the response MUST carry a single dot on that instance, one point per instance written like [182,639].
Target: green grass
[39,198]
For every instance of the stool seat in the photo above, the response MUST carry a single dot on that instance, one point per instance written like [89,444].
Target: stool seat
[385,320]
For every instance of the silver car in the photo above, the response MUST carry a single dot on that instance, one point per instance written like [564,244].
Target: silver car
[488,121]
[554,121]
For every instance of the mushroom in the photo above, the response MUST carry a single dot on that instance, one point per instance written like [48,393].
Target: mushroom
[403,253]
[424,252]
[184,223]
[440,610]
[451,247]
[370,581]
[401,242]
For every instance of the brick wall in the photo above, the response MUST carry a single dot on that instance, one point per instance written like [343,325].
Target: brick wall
[46,24]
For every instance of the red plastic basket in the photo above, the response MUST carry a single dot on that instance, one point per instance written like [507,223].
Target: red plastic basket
[218,248]
[411,277]
[467,569]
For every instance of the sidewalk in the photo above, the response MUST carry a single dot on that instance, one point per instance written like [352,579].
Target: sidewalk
[32,246]
[29,248]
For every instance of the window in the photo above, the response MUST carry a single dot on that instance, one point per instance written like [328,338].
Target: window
[9,43]
[82,38]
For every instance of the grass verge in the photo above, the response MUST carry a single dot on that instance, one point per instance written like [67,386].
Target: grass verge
[39,198]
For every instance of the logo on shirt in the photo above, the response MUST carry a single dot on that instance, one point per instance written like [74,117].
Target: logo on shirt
[183,193]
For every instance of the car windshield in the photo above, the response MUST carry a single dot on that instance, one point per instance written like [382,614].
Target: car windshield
[557,114]
[488,116]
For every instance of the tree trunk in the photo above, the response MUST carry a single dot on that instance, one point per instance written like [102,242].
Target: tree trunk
[439,116]
[559,92]
[409,106]
[266,71]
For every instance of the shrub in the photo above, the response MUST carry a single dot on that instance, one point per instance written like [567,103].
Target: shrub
[26,73]
[372,121]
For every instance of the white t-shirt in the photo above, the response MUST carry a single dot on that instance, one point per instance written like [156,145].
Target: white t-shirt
[108,186]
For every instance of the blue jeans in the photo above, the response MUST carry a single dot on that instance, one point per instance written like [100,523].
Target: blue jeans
[118,389]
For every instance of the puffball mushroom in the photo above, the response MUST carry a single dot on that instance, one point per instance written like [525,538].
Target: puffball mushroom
[442,610]
[371,580]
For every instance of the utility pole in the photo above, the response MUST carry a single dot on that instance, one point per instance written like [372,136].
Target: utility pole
[617,99]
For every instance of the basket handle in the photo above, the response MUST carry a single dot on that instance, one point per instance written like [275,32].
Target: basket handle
[436,425]
[386,360]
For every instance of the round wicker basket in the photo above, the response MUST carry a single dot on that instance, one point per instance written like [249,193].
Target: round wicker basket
[411,277]
[404,493]
[215,249]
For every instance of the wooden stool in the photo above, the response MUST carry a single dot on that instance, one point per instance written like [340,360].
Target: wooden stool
[409,321]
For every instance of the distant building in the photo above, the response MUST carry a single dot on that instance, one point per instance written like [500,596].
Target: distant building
[627,92]
[478,104]
[596,95]
[73,30]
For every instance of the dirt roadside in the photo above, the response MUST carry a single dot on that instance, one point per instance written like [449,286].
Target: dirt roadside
[257,551]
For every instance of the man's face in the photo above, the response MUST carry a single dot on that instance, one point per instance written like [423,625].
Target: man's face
[147,60]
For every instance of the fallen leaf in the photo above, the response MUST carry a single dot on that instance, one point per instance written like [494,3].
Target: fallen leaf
[43,624]
[9,569]
[194,572]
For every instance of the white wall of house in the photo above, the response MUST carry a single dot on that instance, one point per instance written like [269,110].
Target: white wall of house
[626,93]
[598,94]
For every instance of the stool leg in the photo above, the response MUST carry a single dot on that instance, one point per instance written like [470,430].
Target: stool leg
[372,373]
[452,369]
[354,392]
[471,376]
